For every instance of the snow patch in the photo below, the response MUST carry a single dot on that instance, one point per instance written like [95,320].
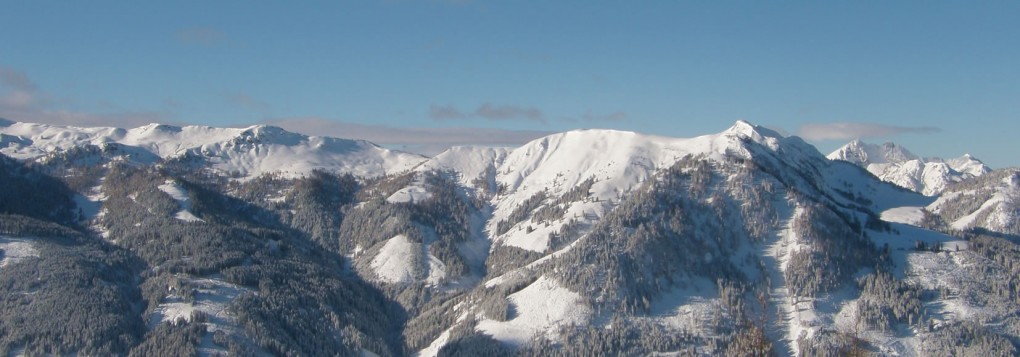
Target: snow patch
[470,162]
[780,250]
[16,250]
[180,195]
[906,215]
[409,194]
[966,221]
[437,270]
[539,308]
[394,263]
[433,349]
[210,296]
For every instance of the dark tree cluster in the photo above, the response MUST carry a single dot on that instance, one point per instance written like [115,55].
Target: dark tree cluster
[886,301]
[317,202]
[77,297]
[304,305]
[836,251]
[623,338]
[966,339]
[522,212]
[1004,255]
[25,190]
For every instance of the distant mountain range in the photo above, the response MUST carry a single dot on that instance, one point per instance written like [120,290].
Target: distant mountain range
[893,163]
[242,152]
[164,240]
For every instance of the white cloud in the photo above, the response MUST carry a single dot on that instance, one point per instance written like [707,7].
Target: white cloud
[21,100]
[16,80]
[247,102]
[445,112]
[857,130]
[488,111]
[426,141]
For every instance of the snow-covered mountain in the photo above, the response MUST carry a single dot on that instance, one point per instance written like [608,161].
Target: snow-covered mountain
[585,242]
[240,152]
[990,202]
[578,236]
[864,154]
[893,163]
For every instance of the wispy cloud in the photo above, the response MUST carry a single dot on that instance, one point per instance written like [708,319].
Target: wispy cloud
[592,117]
[445,112]
[201,36]
[22,100]
[487,111]
[247,102]
[17,91]
[16,80]
[508,112]
[427,141]
[857,130]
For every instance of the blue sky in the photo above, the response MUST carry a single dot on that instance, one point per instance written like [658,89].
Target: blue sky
[941,78]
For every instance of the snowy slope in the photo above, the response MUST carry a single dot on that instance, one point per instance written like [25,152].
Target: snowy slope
[864,154]
[968,165]
[475,165]
[246,152]
[540,308]
[990,202]
[553,223]
[15,250]
[395,262]
[180,195]
[209,296]
[619,163]
[893,163]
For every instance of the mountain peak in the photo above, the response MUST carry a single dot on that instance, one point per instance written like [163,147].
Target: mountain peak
[744,130]
[4,122]
[894,163]
[157,127]
[742,127]
[863,154]
[969,164]
[266,130]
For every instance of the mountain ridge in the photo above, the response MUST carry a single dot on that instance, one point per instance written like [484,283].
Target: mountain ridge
[893,163]
[248,152]
[577,243]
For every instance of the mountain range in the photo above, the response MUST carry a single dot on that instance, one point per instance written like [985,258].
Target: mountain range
[893,163]
[256,241]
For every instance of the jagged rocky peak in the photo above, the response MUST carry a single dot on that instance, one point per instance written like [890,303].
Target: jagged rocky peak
[863,154]
[969,165]
[757,133]
[894,163]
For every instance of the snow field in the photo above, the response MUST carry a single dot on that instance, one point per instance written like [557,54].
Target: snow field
[15,250]
[180,195]
[211,297]
[539,308]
